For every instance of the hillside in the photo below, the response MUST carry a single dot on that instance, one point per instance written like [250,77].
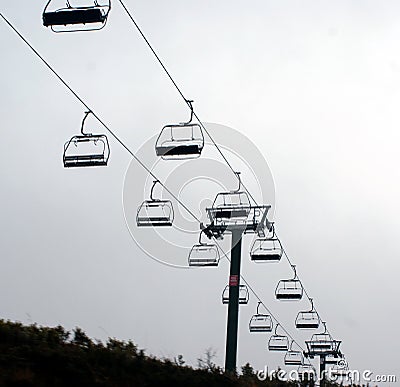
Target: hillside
[42,356]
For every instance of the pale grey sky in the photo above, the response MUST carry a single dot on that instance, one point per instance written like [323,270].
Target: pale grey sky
[314,84]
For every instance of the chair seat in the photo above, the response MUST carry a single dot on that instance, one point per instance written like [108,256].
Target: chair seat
[307,325]
[293,362]
[260,329]
[178,150]
[84,161]
[280,296]
[320,346]
[228,214]
[159,221]
[266,257]
[203,262]
[73,16]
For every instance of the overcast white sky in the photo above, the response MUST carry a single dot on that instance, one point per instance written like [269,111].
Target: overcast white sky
[314,84]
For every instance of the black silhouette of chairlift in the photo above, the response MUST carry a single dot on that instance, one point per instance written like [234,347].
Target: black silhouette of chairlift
[278,342]
[232,207]
[268,249]
[71,18]
[155,212]
[308,319]
[306,373]
[289,289]
[180,141]
[322,343]
[204,254]
[260,322]
[243,295]
[87,149]
[293,358]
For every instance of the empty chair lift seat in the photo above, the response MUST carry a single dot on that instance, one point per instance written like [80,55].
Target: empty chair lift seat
[321,342]
[180,142]
[84,161]
[176,150]
[278,343]
[260,323]
[293,358]
[231,212]
[74,16]
[155,213]
[62,16]
[266,250]
[86,151]
[203,254]
[289,290]
[230,208]
[307,320]
[243,294]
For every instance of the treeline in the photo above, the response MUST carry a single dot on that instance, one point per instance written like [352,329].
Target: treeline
[41,356]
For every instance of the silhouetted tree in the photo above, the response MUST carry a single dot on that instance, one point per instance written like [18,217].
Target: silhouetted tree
[248,371]
[81,339]
[207,362]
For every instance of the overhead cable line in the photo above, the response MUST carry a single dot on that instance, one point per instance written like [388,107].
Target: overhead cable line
[195,115]
[311,299]
[76,95]
[270,313]
[187,101]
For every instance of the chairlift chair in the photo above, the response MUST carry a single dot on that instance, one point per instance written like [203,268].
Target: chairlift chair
[243,295]
[322,343]
[260,322]
[204,254]
[155,212]
[86,150]
[289,289]
[180,141]
[292,357]
[278,342]
[231,208]
[268,249]
[308,319]
[70,18]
